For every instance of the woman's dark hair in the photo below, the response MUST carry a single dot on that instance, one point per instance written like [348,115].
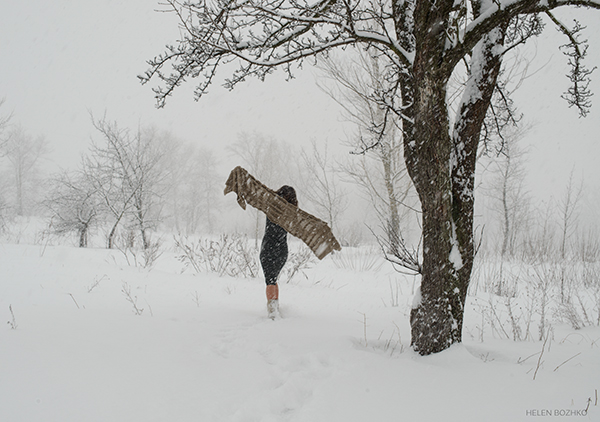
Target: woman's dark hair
[288,193]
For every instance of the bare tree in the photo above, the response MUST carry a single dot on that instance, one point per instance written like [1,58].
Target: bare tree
[203,192]
[4,120]
[146,178]
[101,167]
[508,191]
[74,205]
[322,187]
[115,200]
[24,152]
[568,208]
[377,164]
[424,41]
[540,239]
[128,175]
[195,189]
[509,203]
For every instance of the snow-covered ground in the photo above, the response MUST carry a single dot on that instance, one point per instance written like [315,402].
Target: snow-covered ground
[87,337]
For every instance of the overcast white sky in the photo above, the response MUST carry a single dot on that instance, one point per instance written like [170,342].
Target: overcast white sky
[64,58]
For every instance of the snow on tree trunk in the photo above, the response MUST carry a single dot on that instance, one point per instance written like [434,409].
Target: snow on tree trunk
[434,320]
[442,167]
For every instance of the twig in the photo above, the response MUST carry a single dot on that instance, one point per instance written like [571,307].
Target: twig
[13,321]
[572,357]
[399,338]
[96,283]
[539,362]
[196,298]
[149,307]
[395,302]
[133,300]
[76,304]
[365,328]
[519,361]
[493,309]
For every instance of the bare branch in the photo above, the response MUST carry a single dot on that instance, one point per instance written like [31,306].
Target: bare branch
[263,35]
[495,13]
[578,94]
[397,252]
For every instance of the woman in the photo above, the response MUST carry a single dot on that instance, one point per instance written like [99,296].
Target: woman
[274,253]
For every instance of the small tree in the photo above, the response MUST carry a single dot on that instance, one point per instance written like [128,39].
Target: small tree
[568,209]
[24,152]
[74,206]
[509,203]
[203,191]
[506,188]
[376,165]
[4,120]
[195,189]
[126,171]
[322,185]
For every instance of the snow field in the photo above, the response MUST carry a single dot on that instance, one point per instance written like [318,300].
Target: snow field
[200,348]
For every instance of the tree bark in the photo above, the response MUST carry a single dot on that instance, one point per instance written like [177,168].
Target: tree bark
[442,168]
[83,236]
[113,231]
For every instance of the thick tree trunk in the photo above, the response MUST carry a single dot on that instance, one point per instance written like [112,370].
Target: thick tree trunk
[441,165]
[436,317]
[83,236]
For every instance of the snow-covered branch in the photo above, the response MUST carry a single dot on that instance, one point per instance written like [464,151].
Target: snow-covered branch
[489,14]
[265,34]
[579,93]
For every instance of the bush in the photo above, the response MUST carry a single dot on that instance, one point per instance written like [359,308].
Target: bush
[228,255]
